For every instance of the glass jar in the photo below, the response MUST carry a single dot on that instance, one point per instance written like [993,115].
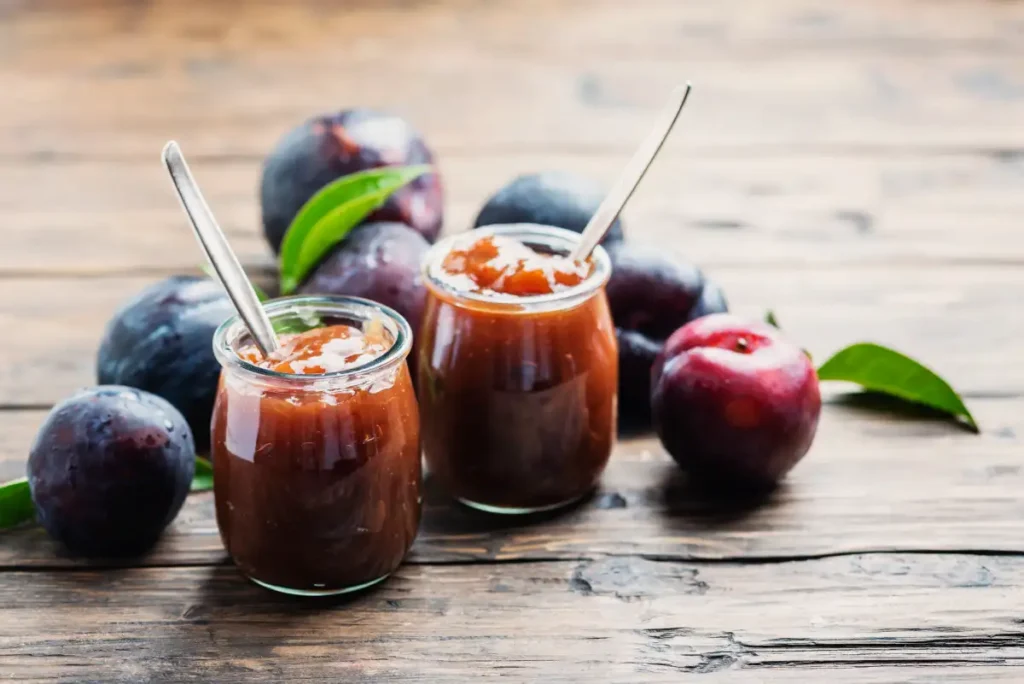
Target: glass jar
[517,393]
[317,477]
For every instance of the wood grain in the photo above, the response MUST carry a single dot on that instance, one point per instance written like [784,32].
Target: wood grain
[752,210]
[118,79]
[857,167]
[955,322]
[611,619]
[871,482]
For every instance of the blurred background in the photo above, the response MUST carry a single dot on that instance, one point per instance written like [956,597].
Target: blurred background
[857,167]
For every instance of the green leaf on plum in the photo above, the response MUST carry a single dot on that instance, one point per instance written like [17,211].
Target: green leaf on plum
[332,213]
[15,503]
[203,478]
[880,369]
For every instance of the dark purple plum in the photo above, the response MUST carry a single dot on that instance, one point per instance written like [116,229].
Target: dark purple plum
[330,146]
[636,356]
[652,292]
[551,198]
[110,469]
[378,261]
[161,341]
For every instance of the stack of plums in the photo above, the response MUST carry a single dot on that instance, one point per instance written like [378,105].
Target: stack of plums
[111,465]
[732,401]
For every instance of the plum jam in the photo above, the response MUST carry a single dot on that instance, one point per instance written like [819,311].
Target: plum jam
[319,351]
[517,368]
[497,264]
[316,449]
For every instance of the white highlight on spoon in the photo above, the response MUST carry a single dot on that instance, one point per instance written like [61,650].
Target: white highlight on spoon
[631,176]
[223,260]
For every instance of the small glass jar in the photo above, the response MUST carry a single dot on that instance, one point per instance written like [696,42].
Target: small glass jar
[517,393]
[317,477]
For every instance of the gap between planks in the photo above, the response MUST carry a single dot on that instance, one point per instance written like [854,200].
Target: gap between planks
[265,271]
[641,617]
[681,559]
[851,496]
[48,157]
[997,395]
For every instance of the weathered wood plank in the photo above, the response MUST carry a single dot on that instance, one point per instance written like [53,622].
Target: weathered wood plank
[954,319]
[613,619]
[564,28]
[870,483]
[532,75]
[855,166]
[761,210]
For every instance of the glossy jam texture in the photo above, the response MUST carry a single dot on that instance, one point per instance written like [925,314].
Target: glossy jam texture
[317,485]
[503,265]
[321,350]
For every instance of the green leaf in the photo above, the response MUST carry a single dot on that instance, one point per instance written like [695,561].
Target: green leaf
[332,212]
[203,478]
[260,294]
[879,369]
[15,503]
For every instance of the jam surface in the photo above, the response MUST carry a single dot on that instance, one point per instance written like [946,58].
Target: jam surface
[504,265]
[321,350]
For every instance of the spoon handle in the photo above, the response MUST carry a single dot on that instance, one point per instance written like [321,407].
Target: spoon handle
[222,258]
[623,189]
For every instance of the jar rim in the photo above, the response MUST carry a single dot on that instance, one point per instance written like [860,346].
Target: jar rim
[340,305]
[559,240]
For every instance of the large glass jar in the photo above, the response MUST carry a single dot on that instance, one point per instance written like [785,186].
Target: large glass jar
[517,393]
[317,477]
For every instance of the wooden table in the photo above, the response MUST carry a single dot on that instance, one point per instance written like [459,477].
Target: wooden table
[857,167]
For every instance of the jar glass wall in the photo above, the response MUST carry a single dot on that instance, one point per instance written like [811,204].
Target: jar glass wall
[317,478]
[517,393]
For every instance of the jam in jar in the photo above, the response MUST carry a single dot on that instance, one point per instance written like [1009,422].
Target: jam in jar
[316,448]
[518,368]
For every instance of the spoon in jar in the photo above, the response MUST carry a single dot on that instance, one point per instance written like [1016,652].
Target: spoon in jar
[225,264]
[615,200]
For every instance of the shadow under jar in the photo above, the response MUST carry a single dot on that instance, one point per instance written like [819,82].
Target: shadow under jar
[517,392]
[317,473]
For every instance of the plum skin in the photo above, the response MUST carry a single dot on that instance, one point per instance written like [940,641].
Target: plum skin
[330,146]
[378,261]
[735,402]
[161,341]
[381,262]
[652,292]
[550,198]
[110,469]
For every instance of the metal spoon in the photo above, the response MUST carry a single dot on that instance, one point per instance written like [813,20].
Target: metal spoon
[218,251]
[623,189]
